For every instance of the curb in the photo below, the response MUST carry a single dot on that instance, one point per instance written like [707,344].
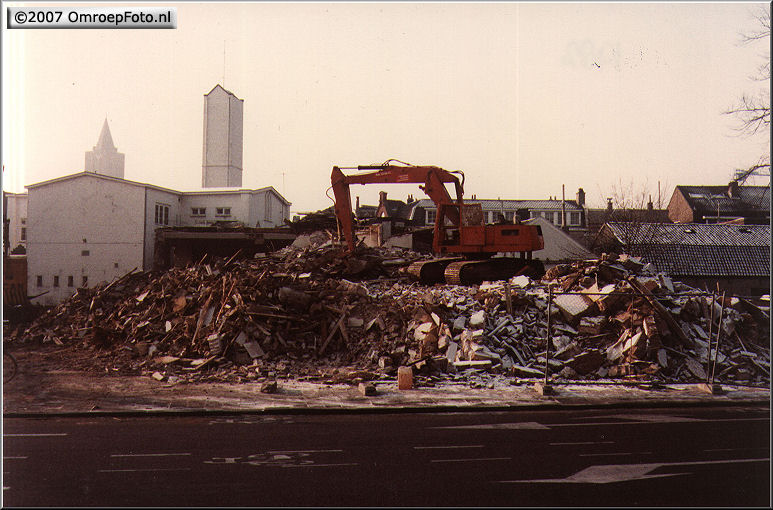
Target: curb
[398,409]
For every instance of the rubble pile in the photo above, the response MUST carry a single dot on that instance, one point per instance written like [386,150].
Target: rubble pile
[309,310]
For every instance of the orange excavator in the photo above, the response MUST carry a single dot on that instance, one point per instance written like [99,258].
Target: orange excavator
[464,246]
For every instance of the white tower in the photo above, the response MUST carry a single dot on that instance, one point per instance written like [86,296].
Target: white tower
[104,158]
[222,158]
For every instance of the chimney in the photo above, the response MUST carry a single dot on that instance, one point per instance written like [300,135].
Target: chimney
[732,189]
[650,206]
[356,207]
[609,205]
[581,197]
[382,197]
[410,199]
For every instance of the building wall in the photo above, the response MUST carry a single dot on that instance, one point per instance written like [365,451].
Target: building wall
[152,198]
[679,211]
[247,207]
[236,202]
[105,162]
[222,156]
[83,227]
[737,286]
[16,212]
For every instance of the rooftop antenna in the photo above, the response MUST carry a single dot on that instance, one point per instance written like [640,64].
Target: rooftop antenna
[223,63]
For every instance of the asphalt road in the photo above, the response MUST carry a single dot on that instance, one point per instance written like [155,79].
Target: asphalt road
[703,456]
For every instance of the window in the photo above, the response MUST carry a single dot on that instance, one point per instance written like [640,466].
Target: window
[115,265]
[39,280]
[431,215]
[85,253]
[24,221]
[267,215]
[85,281]
[56,281]
[198,211]
[509,215]
[24,233]
[70,282]
[223,211]
[162,214]
[574,218]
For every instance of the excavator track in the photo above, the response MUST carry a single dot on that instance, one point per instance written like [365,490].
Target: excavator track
[431,271]
[472,272]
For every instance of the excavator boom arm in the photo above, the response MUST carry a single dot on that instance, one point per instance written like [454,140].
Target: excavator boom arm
[431,178]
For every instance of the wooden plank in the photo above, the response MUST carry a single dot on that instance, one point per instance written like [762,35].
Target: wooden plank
[665,314]
[332,333]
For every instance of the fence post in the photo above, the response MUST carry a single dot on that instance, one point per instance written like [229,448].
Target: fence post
[709,386]
[711,333]
[544,388]
[716,347]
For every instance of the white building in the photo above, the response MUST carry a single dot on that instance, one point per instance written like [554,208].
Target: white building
[222,155]
[88,228]
[91,227]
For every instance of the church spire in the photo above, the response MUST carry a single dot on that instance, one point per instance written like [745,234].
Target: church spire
[105,158]
[105,139]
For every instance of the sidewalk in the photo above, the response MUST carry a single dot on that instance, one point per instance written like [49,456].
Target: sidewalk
[72,392]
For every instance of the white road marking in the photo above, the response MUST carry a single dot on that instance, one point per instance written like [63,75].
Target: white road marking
[650,422]
[525,425]
[274,452]
[471,460]
[320,465]
[8,458]
[653,418]
[582,443]
[737,449]
[35,435]
[148,454]
[613,454]
[138,470]
[447,447]
[627,472]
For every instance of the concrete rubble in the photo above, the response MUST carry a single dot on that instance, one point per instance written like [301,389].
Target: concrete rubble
[313,312]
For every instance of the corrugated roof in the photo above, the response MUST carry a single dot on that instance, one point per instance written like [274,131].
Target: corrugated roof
[741,261]
[696,249]
[597,217]
[695,234]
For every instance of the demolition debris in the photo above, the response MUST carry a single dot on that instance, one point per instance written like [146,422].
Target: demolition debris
[313,312]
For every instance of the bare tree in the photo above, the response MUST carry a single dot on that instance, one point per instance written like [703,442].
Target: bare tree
[637,214]
[753,110]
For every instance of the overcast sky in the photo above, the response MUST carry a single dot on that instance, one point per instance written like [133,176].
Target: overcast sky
[522,97]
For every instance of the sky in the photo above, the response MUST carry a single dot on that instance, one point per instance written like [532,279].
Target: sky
[524,98]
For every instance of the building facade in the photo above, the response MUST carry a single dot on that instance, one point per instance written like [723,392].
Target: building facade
[720,204]
[86,228]
[15,223]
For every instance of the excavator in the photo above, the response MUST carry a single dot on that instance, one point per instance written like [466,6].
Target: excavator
[464,246]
